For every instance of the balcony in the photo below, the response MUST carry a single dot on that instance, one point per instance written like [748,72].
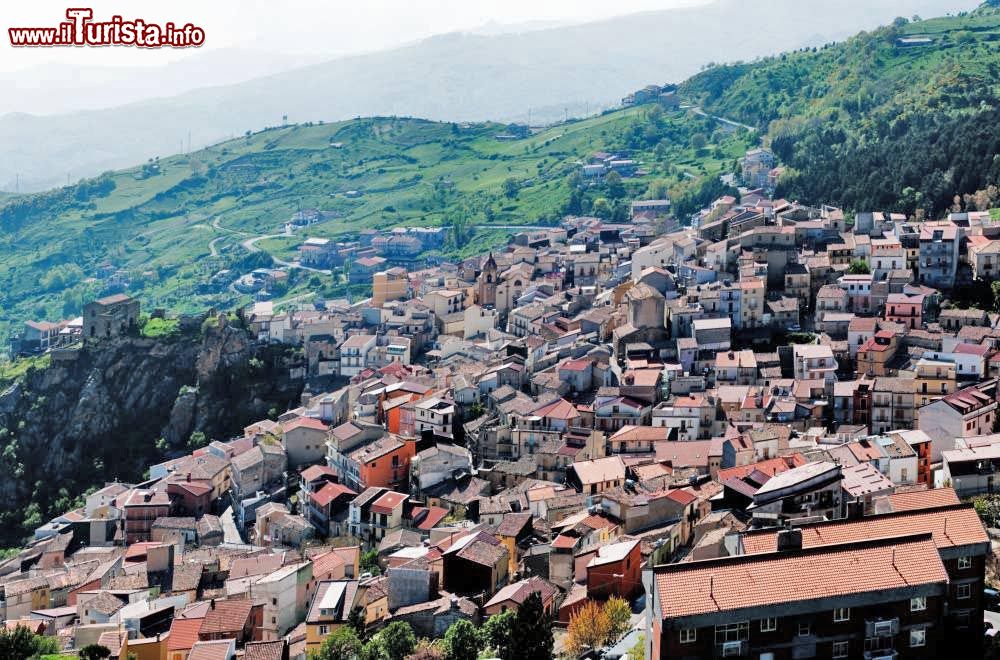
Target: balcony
[881,627]
[732,649]
[888,654]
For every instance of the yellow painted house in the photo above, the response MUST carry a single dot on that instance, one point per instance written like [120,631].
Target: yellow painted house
[331,606]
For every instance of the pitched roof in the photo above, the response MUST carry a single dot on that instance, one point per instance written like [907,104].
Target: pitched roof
[330,492]
[923,499]
[183,633]
[518,592]
[770,466]
[735,583]
[265,650]
[225,616]
[950,526]
[599,470]
[216,650]
[388,502]
[513,523]
[104,603]
[304,422]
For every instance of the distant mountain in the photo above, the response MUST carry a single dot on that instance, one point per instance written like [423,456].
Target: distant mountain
[60,88]
[540,74]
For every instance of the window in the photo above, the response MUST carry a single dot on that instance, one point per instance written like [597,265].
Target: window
[688,635]
[840,649]
[963,591]
[804,629]
[918,636]
[918,604]
[964,562]
[768,625]
[732,632]
[324,630]
[842,614]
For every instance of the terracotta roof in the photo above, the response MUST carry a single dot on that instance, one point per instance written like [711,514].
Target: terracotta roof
[304,422]
[513,523]
[314,472]
[558,409]
[265,650]
[681,496]
[923,499]
[519,591]
[600,470]
[330,492]
[183,634]
[388,502]
[226,616]
[217,650]
[103,603]
[771,467]
[950,526]
[734,583]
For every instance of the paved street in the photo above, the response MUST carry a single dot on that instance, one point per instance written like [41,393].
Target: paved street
[229,530]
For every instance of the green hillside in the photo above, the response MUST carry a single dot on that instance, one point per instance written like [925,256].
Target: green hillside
[174,221]
[901,118]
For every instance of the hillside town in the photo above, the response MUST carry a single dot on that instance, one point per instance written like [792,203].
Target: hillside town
[760,428]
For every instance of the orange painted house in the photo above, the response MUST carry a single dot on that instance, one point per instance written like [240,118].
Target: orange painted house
[385,462]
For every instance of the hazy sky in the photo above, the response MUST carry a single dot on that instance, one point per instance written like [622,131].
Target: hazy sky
[330,27]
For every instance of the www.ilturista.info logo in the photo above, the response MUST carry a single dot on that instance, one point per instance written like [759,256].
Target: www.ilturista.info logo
[82,30]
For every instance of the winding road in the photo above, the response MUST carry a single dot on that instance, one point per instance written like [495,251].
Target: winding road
[698,111]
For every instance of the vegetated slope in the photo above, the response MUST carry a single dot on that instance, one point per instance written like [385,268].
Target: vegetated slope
[164,220]
[876,122]
[455,77]
[75,424]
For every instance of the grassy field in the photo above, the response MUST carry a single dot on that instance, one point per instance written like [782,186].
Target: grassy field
[163,218]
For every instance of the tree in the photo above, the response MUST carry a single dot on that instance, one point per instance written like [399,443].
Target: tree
[462,641]
[95,652]
[531,635]
[428,650]
[995,287]
[602,208]
[398,640]
[373,649]
[341,644]
[510,187]
[369,562]
[496,633]
[589,628]
[613,183]
[356,620]
[619,615]
[858,267]
[19,643]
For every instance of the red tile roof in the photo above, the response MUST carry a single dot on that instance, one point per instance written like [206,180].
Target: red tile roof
[950,526]
[227,616]
[329,492]
[681,496]
[435,514]
[314,472]
[923,499]
[388,502]
[771,467]
[734,583]
[564,542]
[304,422]
[183,634]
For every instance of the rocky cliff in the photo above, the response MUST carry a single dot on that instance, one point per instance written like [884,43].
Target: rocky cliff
[96,413]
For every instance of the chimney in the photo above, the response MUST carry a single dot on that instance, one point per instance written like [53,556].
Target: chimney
[213,604]
[789,540]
